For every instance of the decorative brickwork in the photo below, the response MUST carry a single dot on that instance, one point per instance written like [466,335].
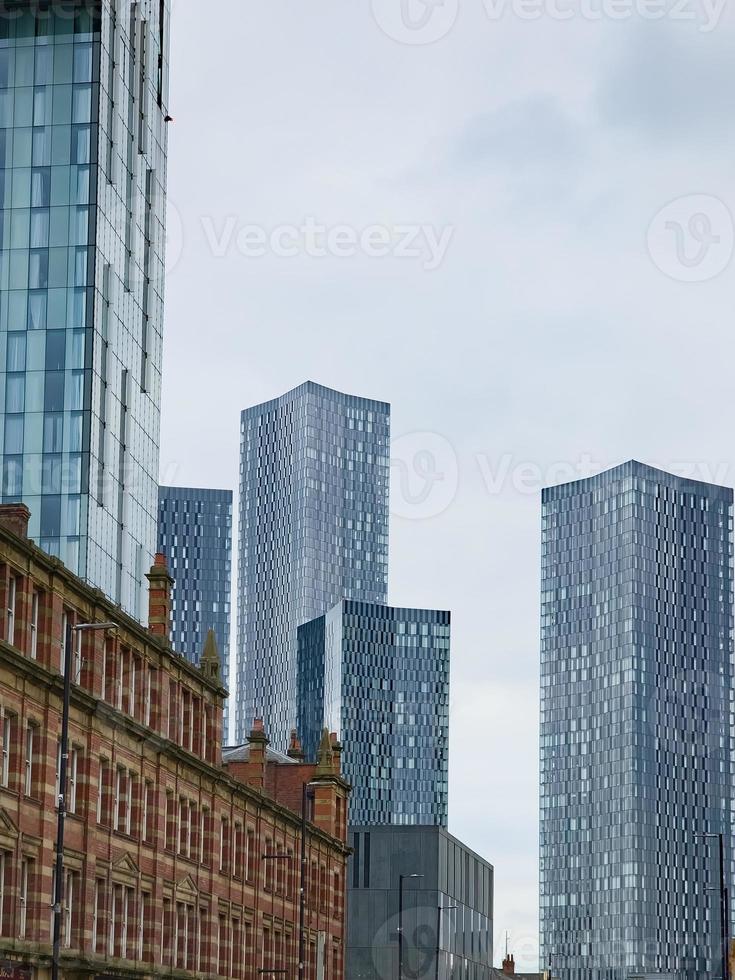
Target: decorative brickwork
[174,860]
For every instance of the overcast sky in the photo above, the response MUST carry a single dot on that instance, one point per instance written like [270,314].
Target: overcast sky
[512,222]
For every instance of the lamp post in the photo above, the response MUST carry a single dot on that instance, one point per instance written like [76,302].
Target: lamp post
[724,904]
[58,897]
[302,889]
[440,909]
[401,879]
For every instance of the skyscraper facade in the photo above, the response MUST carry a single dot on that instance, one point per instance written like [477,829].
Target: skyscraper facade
[314,476]
[195,535]
[379,678]
[83,96]
[636,686]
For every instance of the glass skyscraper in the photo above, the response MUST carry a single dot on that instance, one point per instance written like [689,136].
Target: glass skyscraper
[314,477]
[195,535]
[636,687]
[83,96]
[379,678]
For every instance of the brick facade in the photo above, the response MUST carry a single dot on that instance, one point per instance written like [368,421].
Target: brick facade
[176,863]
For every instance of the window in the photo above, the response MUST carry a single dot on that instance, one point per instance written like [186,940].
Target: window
[111,922]
[64,631]
[118,699]
[77,658]
[35,605]
[72,772]
[8,740]
[224,845]
[124,920]
[103,791]
[4,893]
[184,827]
[203,836]
[147,696]
[68,909]
[31,736]
[98,914]
[123,802]
[109,688]
[170,821]
[251,854]
[205,732]
[323,891]
[238,850]
[12,595]
[268,866]
[143,915]
[26,884]
[149,805]
[223,958]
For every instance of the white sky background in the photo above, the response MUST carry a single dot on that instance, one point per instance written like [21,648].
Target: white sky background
[555,337]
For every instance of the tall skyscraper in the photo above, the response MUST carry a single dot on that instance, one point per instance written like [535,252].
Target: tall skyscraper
[83,104]
[195,535]
[314,476]
[379,678]
[636,688]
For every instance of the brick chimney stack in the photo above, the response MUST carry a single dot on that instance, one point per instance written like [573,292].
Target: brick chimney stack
[15,517]
[159,600]
[295,749]
[330,789]
[258,742]
[509,966]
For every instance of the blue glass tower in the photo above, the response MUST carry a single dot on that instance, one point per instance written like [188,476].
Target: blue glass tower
[195,535]
[636,687]
[83,103]
[314,475]
[379,677]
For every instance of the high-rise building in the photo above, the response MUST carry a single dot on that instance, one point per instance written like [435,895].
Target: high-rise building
[83,107]
[379,678]
[195,535]
[636,688]
[314,476]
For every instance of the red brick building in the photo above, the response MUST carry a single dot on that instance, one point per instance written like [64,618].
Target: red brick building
[176,862]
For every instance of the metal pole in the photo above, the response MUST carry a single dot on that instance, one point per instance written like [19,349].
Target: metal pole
[723,910]
[438,937]
[727,929]
[61,821]
[400,927]
[302,891]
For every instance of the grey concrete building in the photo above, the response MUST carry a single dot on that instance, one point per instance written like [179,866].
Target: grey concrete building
[447,911]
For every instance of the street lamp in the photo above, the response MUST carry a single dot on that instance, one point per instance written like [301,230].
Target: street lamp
[302,890]
[440,909]
[58,896]
[401,879]
[724,904]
